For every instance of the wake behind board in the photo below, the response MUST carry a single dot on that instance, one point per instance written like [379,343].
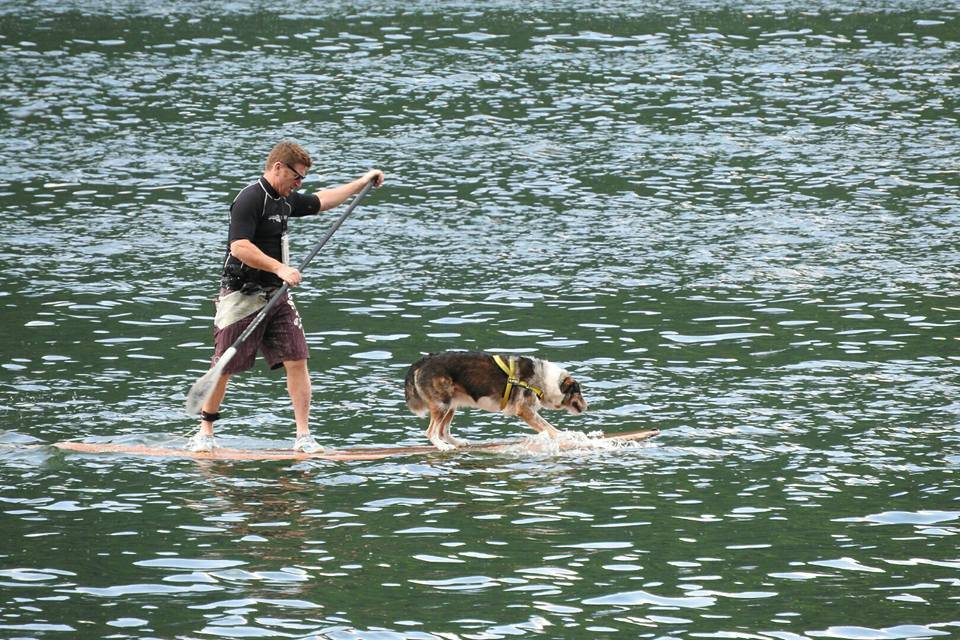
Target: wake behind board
[582,441]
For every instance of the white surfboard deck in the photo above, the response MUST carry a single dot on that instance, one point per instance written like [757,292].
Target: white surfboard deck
[538,444]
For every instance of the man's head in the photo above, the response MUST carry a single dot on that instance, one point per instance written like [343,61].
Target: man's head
[286,167]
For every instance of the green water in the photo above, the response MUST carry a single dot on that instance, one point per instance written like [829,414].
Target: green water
[734,223]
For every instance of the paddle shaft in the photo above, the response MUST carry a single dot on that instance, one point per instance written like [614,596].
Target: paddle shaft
[303,265]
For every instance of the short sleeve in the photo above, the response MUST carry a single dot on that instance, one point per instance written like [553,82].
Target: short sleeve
[302,204]
[244,214]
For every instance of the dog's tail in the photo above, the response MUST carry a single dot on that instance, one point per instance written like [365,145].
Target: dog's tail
[411,392]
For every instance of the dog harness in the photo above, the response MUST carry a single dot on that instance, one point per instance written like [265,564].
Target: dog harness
[512,379]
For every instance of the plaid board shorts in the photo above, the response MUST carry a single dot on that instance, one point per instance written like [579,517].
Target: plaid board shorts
[279,337]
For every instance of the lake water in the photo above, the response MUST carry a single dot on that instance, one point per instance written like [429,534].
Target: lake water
[734,223]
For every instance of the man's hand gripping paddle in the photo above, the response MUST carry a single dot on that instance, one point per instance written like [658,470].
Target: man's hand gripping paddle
[203,387]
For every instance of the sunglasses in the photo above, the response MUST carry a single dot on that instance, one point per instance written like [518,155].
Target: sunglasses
[300,176]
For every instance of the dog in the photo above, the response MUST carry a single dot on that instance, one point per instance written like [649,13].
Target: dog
[440,383]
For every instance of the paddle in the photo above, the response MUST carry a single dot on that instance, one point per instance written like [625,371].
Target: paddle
[203,387]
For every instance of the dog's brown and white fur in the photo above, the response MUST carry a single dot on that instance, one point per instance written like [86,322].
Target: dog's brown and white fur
[439,383]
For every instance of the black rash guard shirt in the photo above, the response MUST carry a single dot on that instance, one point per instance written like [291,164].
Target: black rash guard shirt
[259,214]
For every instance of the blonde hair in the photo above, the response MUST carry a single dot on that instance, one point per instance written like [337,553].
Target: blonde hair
[289,153]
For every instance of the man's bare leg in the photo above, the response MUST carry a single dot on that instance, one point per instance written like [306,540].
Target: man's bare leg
[298,386]
[212,403]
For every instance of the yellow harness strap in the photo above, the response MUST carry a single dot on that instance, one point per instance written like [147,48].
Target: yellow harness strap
[512,380]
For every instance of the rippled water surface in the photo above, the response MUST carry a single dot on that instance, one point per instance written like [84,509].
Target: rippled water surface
[737,224]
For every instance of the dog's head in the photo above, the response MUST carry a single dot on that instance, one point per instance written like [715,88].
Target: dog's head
[572,398]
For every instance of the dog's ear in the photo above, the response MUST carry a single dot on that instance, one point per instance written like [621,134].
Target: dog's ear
[569,386]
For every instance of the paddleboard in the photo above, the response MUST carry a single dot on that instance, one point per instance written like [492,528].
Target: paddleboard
[533,444]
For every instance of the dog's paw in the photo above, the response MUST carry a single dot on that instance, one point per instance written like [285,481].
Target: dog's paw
[443,446]
[456,442]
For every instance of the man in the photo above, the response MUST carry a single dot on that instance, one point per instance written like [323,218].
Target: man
[256,265]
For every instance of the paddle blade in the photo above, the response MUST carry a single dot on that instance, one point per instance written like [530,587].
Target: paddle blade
[203,387]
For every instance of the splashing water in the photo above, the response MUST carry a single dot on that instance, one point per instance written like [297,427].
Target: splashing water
[570,442]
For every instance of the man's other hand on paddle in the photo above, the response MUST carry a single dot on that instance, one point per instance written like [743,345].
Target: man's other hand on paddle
[289,275]
[249,254]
